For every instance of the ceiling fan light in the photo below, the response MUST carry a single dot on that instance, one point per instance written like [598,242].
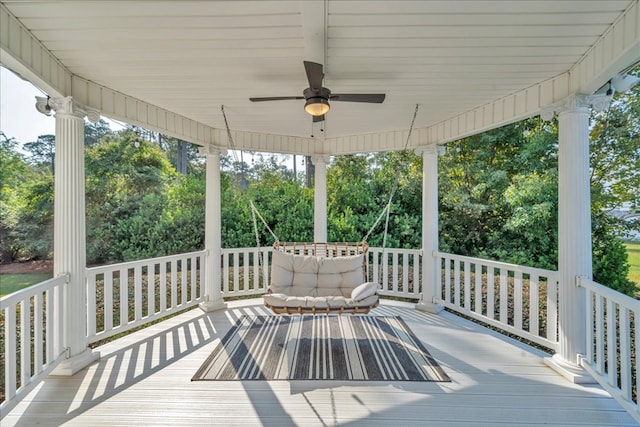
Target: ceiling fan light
[317,106]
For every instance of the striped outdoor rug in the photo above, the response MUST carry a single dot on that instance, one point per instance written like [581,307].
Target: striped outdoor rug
[320,347]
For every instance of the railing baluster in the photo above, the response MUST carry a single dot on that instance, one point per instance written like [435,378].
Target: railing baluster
[58,296]
[183,281]
[385,271]
[636,330]
[590,310]
[447,279]
[612,362]
[405,273]
[599,335]
[49,332]
[625,354]
[478,287]
[552,308]
[10,348]
[151,289]
[91,303]
[467,285]
[236,273]
[504,296]
[225,272]
[193,263]
[256,269]
[394,265]
[534,304]
[108,300]
[124,297]
[137,299]
[25,341]
[517,296]
[38,326]
[174,283]
[491,293]
[456,282]
[163,287]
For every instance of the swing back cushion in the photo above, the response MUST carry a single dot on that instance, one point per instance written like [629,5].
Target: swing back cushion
[308,282]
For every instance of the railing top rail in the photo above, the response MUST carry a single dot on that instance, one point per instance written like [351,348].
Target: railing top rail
[251,249]
[396,250]
[551,274]
[30,291]
[129,264]
[619,298]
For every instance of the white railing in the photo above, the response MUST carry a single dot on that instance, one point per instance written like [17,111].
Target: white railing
[519,300]
[397,271]
[245,271]
[123,296]
[613,322]
[33,333]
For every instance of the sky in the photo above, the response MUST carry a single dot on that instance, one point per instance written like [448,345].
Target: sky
[18,115]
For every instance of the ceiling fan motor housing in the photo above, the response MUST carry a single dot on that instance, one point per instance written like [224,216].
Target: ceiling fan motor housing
[317,101]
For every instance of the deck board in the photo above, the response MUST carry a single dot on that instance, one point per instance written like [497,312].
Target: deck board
[144,379]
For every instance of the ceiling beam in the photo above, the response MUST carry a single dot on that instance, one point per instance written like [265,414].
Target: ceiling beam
[314,30]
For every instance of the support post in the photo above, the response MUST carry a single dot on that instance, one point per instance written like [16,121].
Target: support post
[213,232]
[430,269]
[574,230]
[69,233]
[320,198]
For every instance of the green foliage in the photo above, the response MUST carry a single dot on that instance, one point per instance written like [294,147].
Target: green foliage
[43,151]
[610,259]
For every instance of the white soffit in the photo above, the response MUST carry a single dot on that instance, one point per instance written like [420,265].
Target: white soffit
[457,59]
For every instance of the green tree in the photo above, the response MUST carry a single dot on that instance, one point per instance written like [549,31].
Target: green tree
[126,184]
[14,173]
[43,151]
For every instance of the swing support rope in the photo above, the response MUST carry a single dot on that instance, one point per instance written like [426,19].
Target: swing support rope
[387,209]
[255,214]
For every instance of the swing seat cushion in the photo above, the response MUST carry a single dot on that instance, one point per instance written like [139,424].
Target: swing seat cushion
[310,282]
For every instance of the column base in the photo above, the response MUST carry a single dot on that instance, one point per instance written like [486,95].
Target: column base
[429,307]
[75,364]
[215,305]
[574,373]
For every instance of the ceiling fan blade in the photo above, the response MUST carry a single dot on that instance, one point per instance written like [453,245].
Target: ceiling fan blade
[317,119]
[275,98]
[375,98]
[314,75]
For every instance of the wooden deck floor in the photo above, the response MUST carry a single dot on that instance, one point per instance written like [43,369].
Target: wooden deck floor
[144,379]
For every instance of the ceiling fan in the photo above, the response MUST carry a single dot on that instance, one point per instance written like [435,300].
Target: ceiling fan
[317,97]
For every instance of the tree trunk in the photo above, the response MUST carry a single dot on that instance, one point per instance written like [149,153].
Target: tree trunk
[310,171]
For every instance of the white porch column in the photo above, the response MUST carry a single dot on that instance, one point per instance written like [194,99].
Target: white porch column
[213,232]
[69,234]
[574,229]
[320,198]
[430,269]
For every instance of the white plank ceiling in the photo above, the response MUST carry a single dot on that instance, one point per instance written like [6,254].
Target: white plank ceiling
[191,57]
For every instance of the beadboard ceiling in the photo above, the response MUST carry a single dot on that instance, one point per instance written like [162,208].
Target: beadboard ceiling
[191,57]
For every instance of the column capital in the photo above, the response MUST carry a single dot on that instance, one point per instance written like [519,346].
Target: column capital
[66,105]
[320,158]
[211,150]
[576,102]
[430,149]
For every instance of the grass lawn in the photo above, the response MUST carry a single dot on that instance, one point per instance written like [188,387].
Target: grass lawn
[10,283]
[633,249]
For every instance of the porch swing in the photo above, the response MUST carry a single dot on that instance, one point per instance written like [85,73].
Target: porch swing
[320,277]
